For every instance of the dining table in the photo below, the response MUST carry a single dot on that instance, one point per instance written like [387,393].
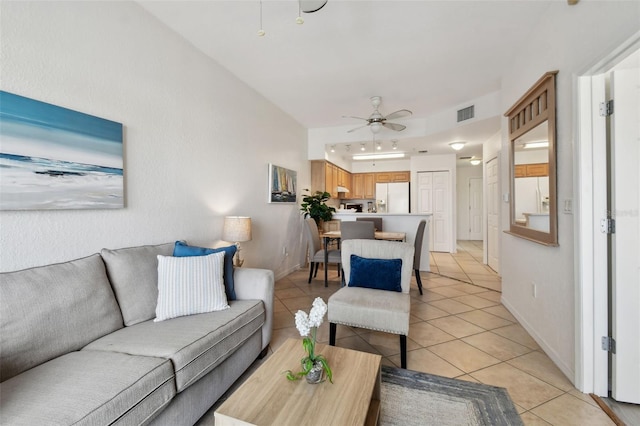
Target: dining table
[336,235]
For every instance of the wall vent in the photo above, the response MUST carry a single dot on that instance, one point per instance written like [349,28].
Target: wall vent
[465,158]
[465,113]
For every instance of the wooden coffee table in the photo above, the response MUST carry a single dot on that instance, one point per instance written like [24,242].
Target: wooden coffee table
[268,398]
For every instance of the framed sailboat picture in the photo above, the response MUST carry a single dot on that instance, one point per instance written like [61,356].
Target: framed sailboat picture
[56,158]
[282,185]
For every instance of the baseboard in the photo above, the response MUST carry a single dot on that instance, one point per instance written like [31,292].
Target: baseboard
[566,369]
[286,272]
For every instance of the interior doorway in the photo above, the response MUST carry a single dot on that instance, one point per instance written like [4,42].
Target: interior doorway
[608,304]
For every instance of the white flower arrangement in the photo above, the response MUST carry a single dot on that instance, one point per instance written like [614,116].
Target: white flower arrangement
[308,325]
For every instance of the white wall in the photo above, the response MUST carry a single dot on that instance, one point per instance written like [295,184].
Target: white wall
[197,139]
[463,174]
[568,39]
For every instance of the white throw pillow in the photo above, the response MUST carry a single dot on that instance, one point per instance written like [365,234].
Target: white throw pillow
[190,285]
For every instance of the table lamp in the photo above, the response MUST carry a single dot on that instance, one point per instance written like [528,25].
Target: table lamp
[237,229]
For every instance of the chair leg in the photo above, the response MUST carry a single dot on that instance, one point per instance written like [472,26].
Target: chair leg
[310,272]
[403,351]
[419,280]
[339,269]
[315,274]
[332,333]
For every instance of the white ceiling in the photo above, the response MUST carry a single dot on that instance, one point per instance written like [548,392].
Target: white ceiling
[425,56]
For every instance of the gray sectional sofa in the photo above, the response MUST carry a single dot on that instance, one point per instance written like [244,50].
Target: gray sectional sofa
[78,344]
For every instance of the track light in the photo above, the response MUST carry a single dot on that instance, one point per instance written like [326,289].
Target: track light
[394,144]
[347,148]
[333,148]
[379,146]
[261,32]
[362,147]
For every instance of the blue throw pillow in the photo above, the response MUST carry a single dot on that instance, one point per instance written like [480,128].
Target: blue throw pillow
[183,250]
[380,274]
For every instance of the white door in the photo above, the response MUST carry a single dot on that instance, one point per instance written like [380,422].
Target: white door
[475,208]
[425,190]
[434,196]
[625,241]
[441,212]
[493,208]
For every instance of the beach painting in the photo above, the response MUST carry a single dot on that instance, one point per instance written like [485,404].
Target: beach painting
[56,158]
[282,185]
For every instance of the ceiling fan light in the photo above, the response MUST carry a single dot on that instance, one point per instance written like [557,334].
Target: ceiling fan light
[457,146]
[375,127]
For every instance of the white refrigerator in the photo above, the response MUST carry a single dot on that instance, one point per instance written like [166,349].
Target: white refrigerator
[392,197]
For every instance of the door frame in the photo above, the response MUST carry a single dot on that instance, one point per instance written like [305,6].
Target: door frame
[591,319]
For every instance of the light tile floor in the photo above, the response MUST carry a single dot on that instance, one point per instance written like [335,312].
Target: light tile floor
[458,329]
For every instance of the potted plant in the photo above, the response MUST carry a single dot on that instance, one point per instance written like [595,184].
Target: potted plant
[314,365]
[314,206]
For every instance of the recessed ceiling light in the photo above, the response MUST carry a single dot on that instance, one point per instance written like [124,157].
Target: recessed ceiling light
[457,145]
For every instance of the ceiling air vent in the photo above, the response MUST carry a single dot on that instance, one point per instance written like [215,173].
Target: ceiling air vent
[465,113]
[465,158]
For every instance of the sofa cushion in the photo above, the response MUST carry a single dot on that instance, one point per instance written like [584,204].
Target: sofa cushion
[88,388]
[190,285]
[181,249]
[133,273]
[51,310]
[195,344]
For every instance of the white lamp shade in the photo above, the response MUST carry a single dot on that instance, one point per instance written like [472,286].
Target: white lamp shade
[236,229]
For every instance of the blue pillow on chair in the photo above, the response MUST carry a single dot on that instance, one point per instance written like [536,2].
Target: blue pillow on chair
[181,249]
[379,274]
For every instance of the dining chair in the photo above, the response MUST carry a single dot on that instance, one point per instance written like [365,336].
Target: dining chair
[378,278]
[316,252]
[377,221]
[350,230]
[418,252]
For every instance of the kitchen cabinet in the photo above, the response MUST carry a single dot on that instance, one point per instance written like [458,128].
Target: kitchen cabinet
[363,186]
[531,170]
[326,176]
[392,177]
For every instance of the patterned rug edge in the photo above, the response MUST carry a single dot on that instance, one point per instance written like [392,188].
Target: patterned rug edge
[493,403]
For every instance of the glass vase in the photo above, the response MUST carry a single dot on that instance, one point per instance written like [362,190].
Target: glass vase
[316,374]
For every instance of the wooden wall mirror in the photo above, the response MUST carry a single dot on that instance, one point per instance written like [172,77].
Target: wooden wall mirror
[532,153]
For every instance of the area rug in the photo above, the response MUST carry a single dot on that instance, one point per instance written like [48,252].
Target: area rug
[414,398]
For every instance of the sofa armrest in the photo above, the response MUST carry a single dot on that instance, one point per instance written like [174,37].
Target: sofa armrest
[253,283]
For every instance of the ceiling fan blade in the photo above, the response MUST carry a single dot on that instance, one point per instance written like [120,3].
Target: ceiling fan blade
[310,6]
[360,127]
[394,126]
[357,118]
[399,114]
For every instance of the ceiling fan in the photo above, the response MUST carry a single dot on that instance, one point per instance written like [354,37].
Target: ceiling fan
[377,120]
